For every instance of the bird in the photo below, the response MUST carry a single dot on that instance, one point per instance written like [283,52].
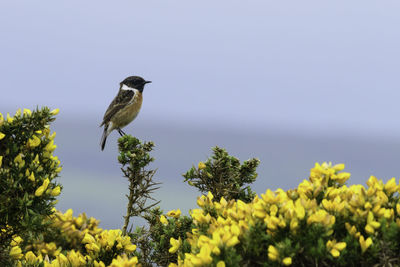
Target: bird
[124,108]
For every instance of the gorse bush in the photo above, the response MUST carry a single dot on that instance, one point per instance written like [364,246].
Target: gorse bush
[27,172]
[77,241]
[134,157]
[224,176]
[32,232]
[322,222]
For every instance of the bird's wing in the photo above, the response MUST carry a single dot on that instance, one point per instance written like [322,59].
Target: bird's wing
[121,100]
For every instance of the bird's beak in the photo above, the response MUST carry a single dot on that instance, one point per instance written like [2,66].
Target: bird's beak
[147,82]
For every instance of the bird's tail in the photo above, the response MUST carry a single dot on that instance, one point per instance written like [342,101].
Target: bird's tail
[104,137]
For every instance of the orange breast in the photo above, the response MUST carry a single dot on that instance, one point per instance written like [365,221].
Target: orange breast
[128,113]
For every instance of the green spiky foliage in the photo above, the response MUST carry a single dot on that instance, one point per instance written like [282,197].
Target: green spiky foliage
[28,171]
[224,176]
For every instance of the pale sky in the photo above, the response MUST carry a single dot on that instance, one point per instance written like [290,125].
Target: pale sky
[328,66]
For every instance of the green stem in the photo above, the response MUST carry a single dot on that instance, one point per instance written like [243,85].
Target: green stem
[128,212]
[129,209]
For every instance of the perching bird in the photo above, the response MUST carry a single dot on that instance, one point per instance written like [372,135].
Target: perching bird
[125,106]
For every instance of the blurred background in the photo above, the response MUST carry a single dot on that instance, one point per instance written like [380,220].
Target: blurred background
[292,83]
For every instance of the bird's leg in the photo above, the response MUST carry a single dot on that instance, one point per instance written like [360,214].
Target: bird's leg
[121,132]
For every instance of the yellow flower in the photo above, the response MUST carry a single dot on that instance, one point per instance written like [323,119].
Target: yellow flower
[335,247]
[201,165]
[273,210]
[321,216]
[205,255]
[1,119]
[1,160]
[365,244]
[76,258]
[300,211]
[351,229]
[371,224]
[294,224]
[42,188]
[338,167]
[18,159]
[34,141]
[46,182]
[221,264]
[55,111]
[124,261]
[16,241]
[391,186]
[32,177]
[175,244]
[341,177]
[93,247]
[52,136]
[368,206]
[27,112]
[36,159]
[130,248]
[201,201]
[235,229]
[369,229]
[174,213]
[273,253]
[56,191]
[62,259]
[50,147]
[335,253]
[210,196]
[2,135]
[112,236]
[163,220]
[68,214]
[9,118]
[18,113]
[198,216]
[16,253]
[99,264]
[232,241]
[287,261]
[30,257]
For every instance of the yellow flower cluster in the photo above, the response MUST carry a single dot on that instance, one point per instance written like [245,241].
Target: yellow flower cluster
[223,231]
[16,251]
[73,228]
[35,140]
[317,201]
[70,258]
[174,213]
[1,123]
[335,247]
[124,261]
[201,165]
[106,240]
[18,113]
[77,232]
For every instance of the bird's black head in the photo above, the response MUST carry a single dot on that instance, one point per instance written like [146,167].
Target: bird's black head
[135,82]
